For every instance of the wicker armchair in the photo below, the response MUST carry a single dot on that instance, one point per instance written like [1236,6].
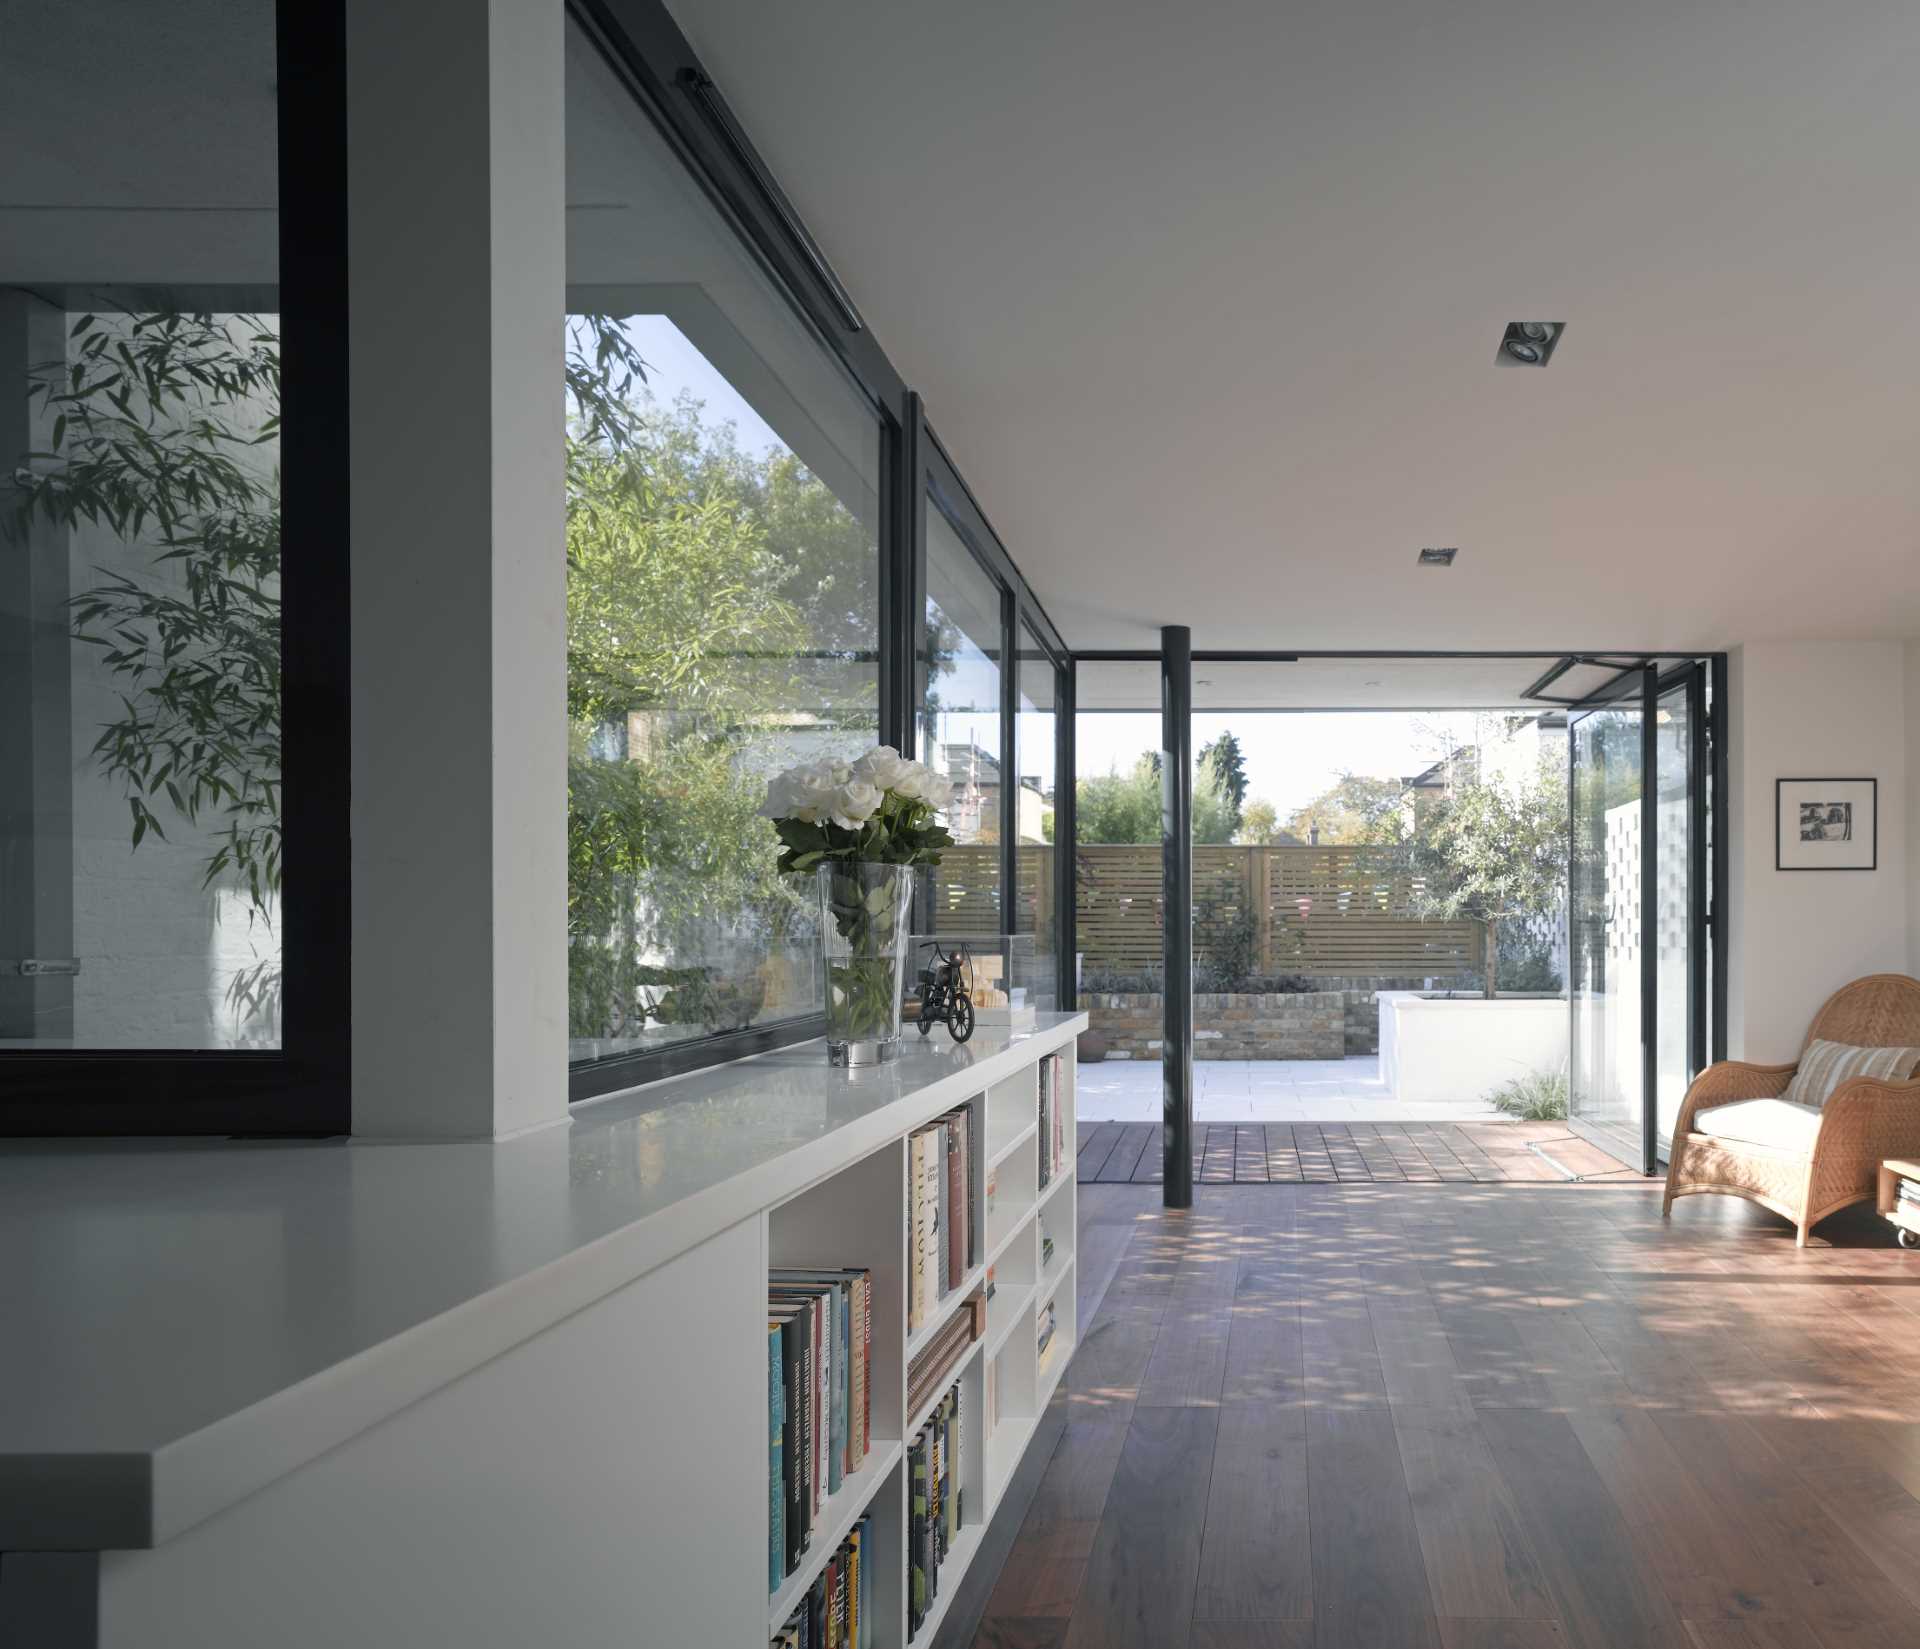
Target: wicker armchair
[1864,1120]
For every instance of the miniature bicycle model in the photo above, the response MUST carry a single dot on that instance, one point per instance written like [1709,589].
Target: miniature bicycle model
[943,990]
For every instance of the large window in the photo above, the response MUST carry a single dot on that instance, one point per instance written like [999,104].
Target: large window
[960,735]
[723,485]
[1037,850]
[141,840]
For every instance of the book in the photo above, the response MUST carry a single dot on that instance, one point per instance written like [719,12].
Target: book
[795,1383]
[776,1488]
[943,1218]
[956,1204]
[918,1216]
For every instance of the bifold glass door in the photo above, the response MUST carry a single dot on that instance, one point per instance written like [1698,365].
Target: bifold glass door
[1637,929]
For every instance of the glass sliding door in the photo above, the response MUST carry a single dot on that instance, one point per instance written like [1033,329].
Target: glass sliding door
[1679,896]
[1606,1072]
[1638,884]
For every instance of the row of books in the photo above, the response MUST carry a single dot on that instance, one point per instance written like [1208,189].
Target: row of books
[929,1370]
[944,1233]
[1053,1123]
[837,1612]
[935,1516]
[1044,1331]
[819,1401]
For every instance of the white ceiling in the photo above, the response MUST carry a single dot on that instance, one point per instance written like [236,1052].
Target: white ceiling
[1204,300]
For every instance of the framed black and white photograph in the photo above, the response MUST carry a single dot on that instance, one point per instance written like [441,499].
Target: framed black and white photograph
[1826,824]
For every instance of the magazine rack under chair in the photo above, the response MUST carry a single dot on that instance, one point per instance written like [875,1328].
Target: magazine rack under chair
[1805,1164]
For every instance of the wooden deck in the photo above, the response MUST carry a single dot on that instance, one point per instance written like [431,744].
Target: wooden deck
[1471,1416]
[1305,1153]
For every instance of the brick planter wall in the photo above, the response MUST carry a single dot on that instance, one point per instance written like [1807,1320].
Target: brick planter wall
[1301,1025]
[1277,1026]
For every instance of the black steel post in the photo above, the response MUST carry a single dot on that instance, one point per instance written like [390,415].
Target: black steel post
[1176,845]
[1066,846]
[1649,916]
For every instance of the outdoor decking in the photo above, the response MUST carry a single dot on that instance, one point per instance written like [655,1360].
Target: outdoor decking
[1296,1153]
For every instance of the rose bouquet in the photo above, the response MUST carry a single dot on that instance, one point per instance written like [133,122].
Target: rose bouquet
[861,827]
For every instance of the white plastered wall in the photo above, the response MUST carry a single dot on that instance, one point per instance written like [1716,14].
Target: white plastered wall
[1815,709]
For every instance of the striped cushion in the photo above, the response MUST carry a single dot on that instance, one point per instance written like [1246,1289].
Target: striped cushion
[1825,1065]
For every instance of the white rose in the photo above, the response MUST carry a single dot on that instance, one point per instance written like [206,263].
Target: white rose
[854,803]
[884,767]
[939,790]
[912,782]
[810,791]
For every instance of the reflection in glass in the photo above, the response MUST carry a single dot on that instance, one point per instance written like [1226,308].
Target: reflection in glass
[1673,742]
[960,728]
[1036,855]
[140,731]
[1605,1073]
[722,612]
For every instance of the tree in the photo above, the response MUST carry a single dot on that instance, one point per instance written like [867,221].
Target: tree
[1354,811]
[1125,807]
[1224,761]
[1260,825]
[1491,853]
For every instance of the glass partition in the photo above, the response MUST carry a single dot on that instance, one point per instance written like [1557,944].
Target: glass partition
[140,531]
[1037,850]
[1606,1071]
[723,480]
[960,651]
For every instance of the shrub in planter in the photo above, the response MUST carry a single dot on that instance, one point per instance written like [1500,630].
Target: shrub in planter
[1091,1046]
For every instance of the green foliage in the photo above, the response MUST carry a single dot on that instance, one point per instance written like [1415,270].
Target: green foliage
[1492,852]
[162,433]
[1125,807]
[1355,811]
[710,593]
[1259,825]
[1225,765]
[901,832]
[1540,1096]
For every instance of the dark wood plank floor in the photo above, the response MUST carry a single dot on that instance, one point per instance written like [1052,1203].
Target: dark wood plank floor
[1474,1416]
[1310,1153]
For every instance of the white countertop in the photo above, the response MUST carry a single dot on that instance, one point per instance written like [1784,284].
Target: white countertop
[182,1323]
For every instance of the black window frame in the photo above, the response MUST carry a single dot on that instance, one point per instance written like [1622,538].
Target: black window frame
[647,49]
[302,1088]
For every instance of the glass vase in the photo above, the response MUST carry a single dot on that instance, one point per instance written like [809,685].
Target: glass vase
[865,917]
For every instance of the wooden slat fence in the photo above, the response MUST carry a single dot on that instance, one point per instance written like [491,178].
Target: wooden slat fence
[1311,910]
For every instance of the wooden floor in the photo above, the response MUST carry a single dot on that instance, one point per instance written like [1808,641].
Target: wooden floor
[1367,1416]
[1306,1153]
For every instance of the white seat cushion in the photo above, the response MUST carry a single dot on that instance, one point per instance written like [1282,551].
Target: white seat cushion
[1778,1124]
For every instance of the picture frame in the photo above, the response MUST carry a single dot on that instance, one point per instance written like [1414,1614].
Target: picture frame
[1826,824]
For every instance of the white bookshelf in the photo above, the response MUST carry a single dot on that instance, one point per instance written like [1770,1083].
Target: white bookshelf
[858,1216]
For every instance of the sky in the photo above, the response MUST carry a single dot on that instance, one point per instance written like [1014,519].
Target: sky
[1292,756]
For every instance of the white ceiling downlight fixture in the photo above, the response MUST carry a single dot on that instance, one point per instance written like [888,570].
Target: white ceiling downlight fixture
[1439,557]
[1529,343]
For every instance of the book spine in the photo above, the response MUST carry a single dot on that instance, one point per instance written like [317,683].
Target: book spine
[855,1565]
[943,1218]
[866,1369]
[916,1285]
[956,1208]
[776,1486]
[842,1296]
[793,1375]
[916,1527]
[927,1227]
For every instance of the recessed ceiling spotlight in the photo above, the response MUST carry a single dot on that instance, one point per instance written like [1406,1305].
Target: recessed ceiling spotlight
[1529,343]
[1440,557]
